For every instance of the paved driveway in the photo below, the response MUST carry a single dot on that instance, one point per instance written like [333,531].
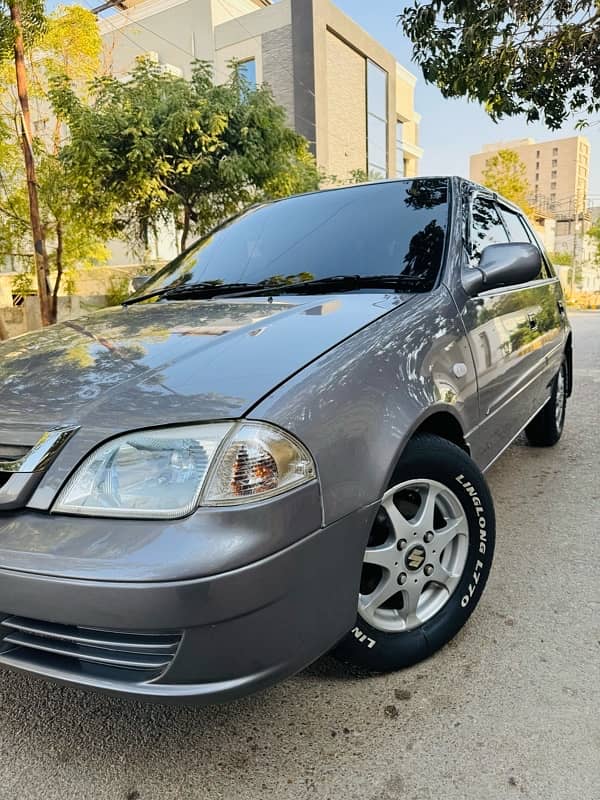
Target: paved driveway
[510,709]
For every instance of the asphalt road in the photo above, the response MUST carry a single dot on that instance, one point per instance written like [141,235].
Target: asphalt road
[510,709]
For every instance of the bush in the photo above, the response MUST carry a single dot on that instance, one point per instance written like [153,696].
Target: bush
[583,300]
[118,291]
[22,284]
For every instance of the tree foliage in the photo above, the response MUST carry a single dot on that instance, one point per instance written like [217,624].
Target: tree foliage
[532,57]
[562,259]
[66,45]
[594,234]
[34,25]
[158,148]
[506,174]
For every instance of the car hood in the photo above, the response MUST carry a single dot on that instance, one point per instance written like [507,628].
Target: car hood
[168,362]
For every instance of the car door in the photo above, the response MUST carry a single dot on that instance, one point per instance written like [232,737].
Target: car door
[505,338]
[548,306]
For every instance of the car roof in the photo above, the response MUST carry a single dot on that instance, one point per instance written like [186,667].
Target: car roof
[462,183]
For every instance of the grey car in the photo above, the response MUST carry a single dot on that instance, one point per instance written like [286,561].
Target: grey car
[276,447]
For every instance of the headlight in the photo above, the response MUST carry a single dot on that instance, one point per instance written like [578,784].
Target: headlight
[167,473]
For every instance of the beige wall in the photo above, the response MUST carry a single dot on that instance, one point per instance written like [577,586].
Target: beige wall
[346,131]
[177,31]
[224,10]
[232,31]
[222,30]
[336,35]
[568,158]
[266,37]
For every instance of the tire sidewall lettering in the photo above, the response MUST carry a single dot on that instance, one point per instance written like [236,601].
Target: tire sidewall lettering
[482,527]
[363,638]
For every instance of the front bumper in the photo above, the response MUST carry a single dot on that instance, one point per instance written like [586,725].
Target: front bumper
[240,630]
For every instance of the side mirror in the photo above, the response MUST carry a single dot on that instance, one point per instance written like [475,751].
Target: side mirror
[507,264]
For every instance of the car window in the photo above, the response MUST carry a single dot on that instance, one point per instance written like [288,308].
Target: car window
[486,228]
[519,232]
[516,227]
[395,228]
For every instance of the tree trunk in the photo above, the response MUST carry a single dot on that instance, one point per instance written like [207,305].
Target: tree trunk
[59,271]
[3,330]
[185,231]
[39,243]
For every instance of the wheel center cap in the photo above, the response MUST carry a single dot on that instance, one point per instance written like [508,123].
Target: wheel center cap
[415,558]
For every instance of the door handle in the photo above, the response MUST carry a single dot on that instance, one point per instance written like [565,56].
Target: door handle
[531,318]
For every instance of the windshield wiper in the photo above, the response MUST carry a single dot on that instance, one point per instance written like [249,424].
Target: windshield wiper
[204,289]
[341,283]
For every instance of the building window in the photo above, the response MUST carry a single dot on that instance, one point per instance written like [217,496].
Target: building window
[553,185]
[377,121]
[537,153]
[537,176]
[248,71]
[400,171]
[555,162]
[553,175]
[537,164]
[555,151]
[552,198]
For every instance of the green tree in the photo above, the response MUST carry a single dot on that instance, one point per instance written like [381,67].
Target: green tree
[506,174]
[532,57]
[594,234]
[67,44]
[158,148]
[21,23]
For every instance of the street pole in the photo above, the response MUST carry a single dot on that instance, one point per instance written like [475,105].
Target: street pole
[574,268]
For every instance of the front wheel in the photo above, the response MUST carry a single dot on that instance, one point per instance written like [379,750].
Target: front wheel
[427,559]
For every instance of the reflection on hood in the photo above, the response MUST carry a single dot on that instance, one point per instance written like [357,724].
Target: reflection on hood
[149,364]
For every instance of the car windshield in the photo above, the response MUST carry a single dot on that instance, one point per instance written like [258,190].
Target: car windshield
[393,229]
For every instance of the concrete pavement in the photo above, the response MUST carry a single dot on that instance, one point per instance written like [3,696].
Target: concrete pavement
[510,709]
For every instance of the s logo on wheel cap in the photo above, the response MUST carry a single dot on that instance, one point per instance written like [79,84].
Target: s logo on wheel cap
[415,558]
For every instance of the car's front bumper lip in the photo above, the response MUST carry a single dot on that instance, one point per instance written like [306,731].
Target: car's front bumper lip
[172,693]
[242,630]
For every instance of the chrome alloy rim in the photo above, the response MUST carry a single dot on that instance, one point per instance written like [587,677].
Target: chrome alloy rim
[415,556]
[559,405]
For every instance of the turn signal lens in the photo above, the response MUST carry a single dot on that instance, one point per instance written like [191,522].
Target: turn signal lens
[257,461]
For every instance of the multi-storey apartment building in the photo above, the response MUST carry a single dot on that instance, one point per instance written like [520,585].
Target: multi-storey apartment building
[557,171]
[341,89]
[558,175]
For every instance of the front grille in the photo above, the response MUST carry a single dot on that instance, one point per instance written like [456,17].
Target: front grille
[113,654]
[22,466]
[9,454]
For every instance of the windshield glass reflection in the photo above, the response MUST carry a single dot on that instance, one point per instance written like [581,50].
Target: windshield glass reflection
[396,228]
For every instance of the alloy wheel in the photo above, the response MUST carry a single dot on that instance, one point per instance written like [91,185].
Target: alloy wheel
[415,556]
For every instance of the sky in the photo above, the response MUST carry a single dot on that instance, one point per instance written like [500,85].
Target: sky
[450,129]
[453,129]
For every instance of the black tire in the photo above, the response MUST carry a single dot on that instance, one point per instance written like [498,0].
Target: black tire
[546,428]
[429,457]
